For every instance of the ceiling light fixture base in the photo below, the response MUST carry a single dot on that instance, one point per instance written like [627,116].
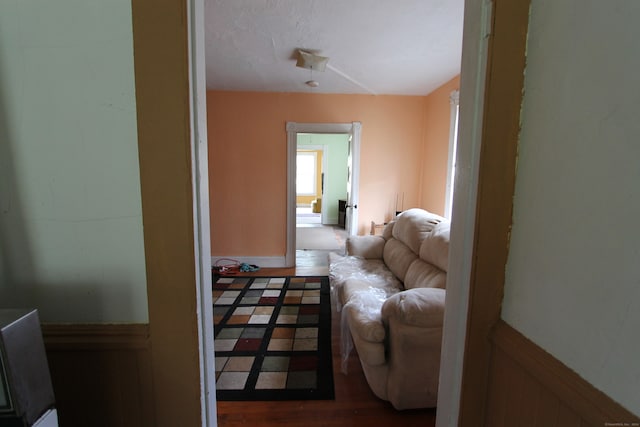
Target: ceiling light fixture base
[311,61]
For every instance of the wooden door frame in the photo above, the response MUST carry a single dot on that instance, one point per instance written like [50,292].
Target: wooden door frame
[492,81]
[472,85]
[491,350]
[171,103]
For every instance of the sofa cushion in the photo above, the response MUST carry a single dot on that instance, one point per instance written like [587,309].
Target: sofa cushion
[398,257]
[413,225]
[435,246]
[363,292]
[423,275]
[360,274]
[373,271]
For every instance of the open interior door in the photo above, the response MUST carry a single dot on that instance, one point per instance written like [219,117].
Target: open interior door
[353,174]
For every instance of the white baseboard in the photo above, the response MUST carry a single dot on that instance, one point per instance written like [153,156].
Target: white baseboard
[265,261]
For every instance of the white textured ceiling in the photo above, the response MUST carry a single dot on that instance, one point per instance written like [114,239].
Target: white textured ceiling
[382,47]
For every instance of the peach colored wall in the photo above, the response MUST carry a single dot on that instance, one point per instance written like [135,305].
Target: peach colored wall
[247,161]
[247,150]
[436,146]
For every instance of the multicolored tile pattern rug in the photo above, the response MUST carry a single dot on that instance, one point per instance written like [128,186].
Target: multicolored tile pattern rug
[272,338]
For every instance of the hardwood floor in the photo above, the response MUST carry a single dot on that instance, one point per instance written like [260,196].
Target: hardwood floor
[354,404]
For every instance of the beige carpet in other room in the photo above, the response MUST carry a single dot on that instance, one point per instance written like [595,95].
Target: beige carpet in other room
[318,238]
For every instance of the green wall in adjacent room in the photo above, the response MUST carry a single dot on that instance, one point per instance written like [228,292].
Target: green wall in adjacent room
[336,148]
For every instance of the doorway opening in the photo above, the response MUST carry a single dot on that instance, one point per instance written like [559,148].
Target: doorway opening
[321,190]
[311,171]
[331,195]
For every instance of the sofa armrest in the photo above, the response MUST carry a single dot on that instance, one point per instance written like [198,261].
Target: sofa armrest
[368,247]
[367,332]
[414,320]
[421,307]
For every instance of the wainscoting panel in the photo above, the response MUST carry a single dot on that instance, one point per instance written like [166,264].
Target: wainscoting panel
[528,387]
[101,374]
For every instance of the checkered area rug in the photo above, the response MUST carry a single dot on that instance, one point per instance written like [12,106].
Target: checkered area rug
[272,338]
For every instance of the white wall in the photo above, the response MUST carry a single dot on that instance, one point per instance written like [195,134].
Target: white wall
[573,274]
[71,239]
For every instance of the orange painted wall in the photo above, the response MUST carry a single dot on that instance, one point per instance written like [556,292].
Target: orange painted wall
[437,117]
[247,161]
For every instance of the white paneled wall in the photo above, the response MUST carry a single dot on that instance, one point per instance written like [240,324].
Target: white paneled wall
[70,216]
[573,276]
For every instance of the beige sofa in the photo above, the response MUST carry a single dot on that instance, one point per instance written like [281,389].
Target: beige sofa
[390,289]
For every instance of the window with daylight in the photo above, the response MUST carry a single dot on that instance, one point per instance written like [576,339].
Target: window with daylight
[306,173]
[453,141]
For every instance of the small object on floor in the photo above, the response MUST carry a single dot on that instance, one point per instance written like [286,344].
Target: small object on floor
[226,266]
[316,205]
[244,267]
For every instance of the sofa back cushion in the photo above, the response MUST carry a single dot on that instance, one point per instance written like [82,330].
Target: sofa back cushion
[398,257]
[424,275]
[435,246]
[387,231]
[412,227]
